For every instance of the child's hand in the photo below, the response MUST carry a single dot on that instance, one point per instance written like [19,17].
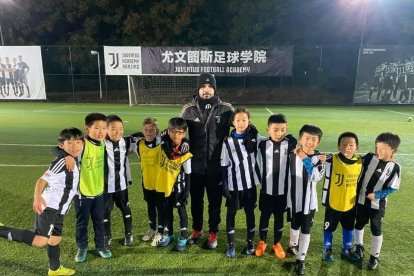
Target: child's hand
[39,204]
[322,157]
[298,151]
[70,163]
[371,196]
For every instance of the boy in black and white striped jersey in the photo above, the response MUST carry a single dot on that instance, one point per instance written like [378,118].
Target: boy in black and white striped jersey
[52,202]
[240,176]
[273,157]
[117,176]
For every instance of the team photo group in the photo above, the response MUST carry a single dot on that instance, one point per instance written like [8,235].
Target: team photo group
[225,158]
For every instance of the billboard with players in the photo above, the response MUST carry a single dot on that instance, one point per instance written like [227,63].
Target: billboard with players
[385,75]
[21,73]
[221,61]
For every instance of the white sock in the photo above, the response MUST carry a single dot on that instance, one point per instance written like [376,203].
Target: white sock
[304,240]
[376,243]
[294,237]
[359,236]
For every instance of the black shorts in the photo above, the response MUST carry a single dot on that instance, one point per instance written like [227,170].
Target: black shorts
[48,223]
[302,221]
[242,199]
[334,217]
[272,204]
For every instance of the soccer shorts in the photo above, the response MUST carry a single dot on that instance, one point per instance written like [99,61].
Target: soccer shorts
[48,223]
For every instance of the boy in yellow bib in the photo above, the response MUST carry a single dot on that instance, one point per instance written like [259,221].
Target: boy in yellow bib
[343,170]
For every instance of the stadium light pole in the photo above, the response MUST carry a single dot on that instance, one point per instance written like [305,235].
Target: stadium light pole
[96,53]
[1,36]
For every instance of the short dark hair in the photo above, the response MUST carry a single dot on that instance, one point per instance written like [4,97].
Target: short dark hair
[276,119]
[69,134]
[178,123]
[113,118]
[311,129]
[348,135]
[92,117]
[239,110]
[392,140]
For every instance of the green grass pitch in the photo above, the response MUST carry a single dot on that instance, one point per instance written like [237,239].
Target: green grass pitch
[29,130]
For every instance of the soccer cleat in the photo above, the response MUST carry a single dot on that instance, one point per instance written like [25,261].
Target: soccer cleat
[61,271]
[104,253]
[156,239]
[278,251]
[260,249]
[359,250]
[249,249]
[165,241]
[373,263]
[300,267]
[212,240]
[350,255]
[293,249]
[231,250]
[149,235]
[195,236]
[81,255]
[327,255]
[128,240]
[181,244]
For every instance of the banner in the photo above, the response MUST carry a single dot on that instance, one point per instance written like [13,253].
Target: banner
[220,61]
[21,73]
[385,75]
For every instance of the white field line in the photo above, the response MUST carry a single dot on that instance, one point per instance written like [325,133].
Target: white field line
[66,106]
[117,112]
[28,145]
[402,113]
[268,110]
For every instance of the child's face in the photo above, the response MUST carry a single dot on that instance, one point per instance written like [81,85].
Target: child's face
[97,131]
[277,131]
[241,122]
[150,131]
[348,147]
[383,151]
[176,135]
[309,142]
[73,146]
[115,131]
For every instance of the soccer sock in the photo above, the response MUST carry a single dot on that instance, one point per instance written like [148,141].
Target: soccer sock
[278,235]
[160,229]
[347,238]
[128,223]
[304,240]
[53,252]
[376,244]
[18,235]
[183,233]
[230,236]
[250,234]
[327,239]
[359,236]
[294,237]
[263,234]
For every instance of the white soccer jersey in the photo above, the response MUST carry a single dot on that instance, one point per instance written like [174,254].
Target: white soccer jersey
[62,185]
[117,169]
[242,170]
[273,156]
[376,176]
[302,195]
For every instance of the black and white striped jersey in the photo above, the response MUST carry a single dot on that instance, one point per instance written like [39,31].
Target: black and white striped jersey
[273,160]
[62,185]
[242,169]
[302,195]
[117,169]
[377,175]
[180,183]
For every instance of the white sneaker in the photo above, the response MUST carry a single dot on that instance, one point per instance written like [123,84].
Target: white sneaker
[149,235]
[156,239]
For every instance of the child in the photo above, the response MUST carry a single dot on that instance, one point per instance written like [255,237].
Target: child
[52,203]
[305,170]
[240,177]
[147,151]
[90,199]
[339,193]
[174,180]
[380,177]
[117,176]
[273,155]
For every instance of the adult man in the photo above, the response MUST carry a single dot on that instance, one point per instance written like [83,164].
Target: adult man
[208,123]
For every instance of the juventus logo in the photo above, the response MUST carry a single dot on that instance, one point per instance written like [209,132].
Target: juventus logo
[286,153]
[115,60]
[339,179]
[218,119]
